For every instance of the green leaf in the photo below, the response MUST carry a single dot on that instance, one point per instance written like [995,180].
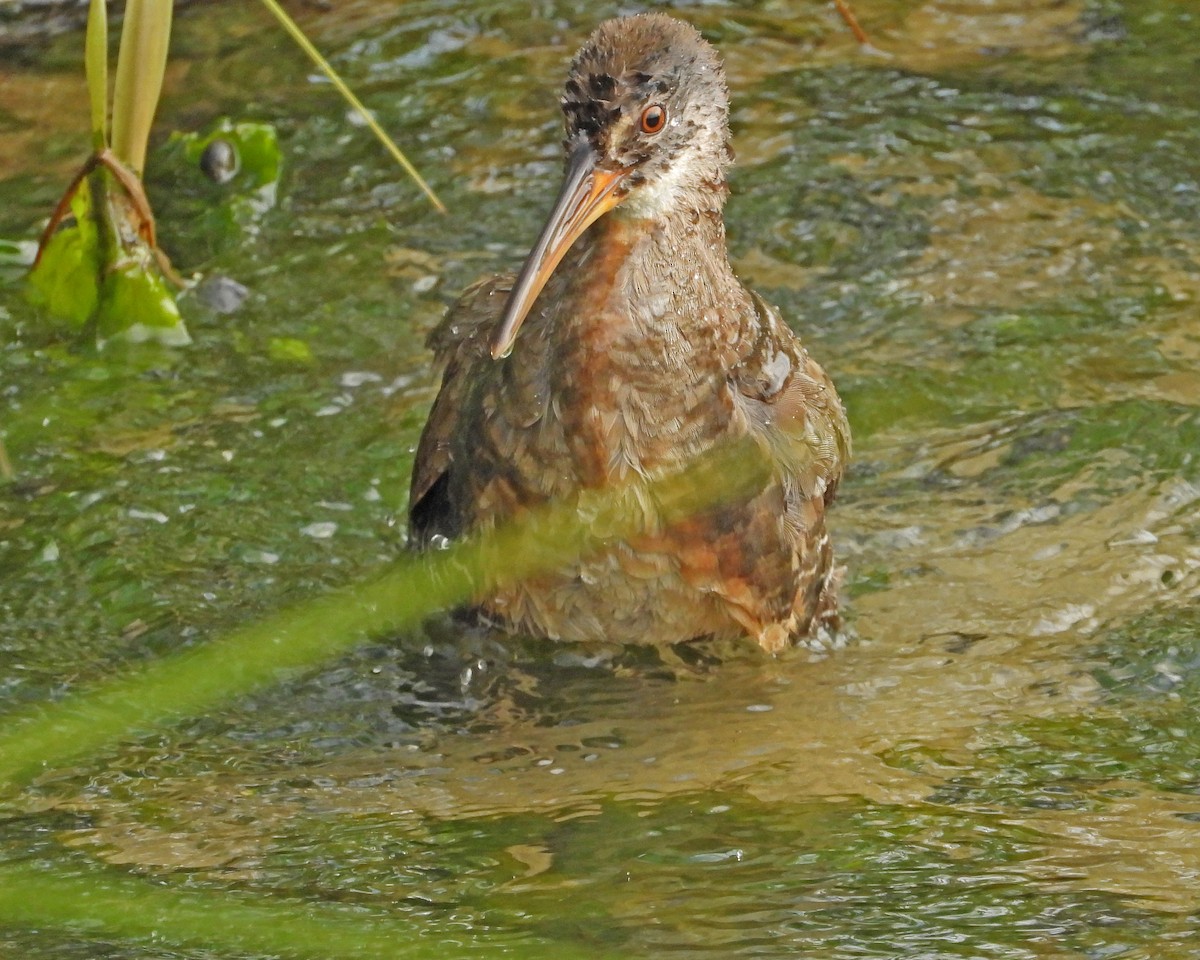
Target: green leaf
[65,280]
[135,301]
[137,304]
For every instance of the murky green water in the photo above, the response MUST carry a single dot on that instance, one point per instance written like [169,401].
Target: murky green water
[997,256]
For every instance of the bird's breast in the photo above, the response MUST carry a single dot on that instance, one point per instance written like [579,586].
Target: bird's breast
[633,393]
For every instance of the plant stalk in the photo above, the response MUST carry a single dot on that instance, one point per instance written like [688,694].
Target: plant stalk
[314,54]
[96,68]
[141,65]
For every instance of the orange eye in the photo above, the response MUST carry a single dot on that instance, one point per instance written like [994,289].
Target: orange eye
[654,118]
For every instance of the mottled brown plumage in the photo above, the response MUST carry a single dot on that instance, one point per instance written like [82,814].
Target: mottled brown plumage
[635,355]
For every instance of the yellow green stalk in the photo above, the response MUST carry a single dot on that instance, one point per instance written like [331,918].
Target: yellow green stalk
[141,65]
[339,84]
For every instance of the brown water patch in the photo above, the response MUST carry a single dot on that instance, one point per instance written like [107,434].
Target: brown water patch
[948,34]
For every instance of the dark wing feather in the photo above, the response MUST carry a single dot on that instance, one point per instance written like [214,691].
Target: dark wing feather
[460,342]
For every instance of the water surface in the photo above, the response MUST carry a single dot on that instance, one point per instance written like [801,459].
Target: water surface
[989,233]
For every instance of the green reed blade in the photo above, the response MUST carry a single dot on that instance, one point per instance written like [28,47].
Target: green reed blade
[314,54]
[102,903]
[189,683]
[141,65]
[96,68]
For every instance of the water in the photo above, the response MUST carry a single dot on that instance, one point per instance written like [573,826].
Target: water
[996,254]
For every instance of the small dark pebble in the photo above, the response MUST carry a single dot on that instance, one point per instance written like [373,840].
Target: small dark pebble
[219,161]
[222,294]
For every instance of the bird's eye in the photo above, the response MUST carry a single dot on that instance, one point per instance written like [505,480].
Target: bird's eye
[654,118]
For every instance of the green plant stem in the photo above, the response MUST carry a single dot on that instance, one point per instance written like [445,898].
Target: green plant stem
[96,68]
[108,242]
[196,680]
[141,65]
[106,904]
[314,54]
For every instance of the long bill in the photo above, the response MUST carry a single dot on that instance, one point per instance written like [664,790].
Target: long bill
[587,194]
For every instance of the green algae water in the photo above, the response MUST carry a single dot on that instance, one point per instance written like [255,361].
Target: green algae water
[987,230]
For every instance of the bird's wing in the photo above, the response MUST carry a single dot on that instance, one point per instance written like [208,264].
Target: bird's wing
[460,343]
[795,409]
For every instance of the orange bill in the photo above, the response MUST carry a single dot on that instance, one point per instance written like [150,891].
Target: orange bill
[587,194]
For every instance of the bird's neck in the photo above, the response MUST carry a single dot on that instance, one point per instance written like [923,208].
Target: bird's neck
[645,280]
[641,332]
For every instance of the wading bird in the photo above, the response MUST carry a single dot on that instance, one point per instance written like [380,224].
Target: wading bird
[625,350]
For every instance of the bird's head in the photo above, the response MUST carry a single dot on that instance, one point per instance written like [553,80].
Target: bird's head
[646,109]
